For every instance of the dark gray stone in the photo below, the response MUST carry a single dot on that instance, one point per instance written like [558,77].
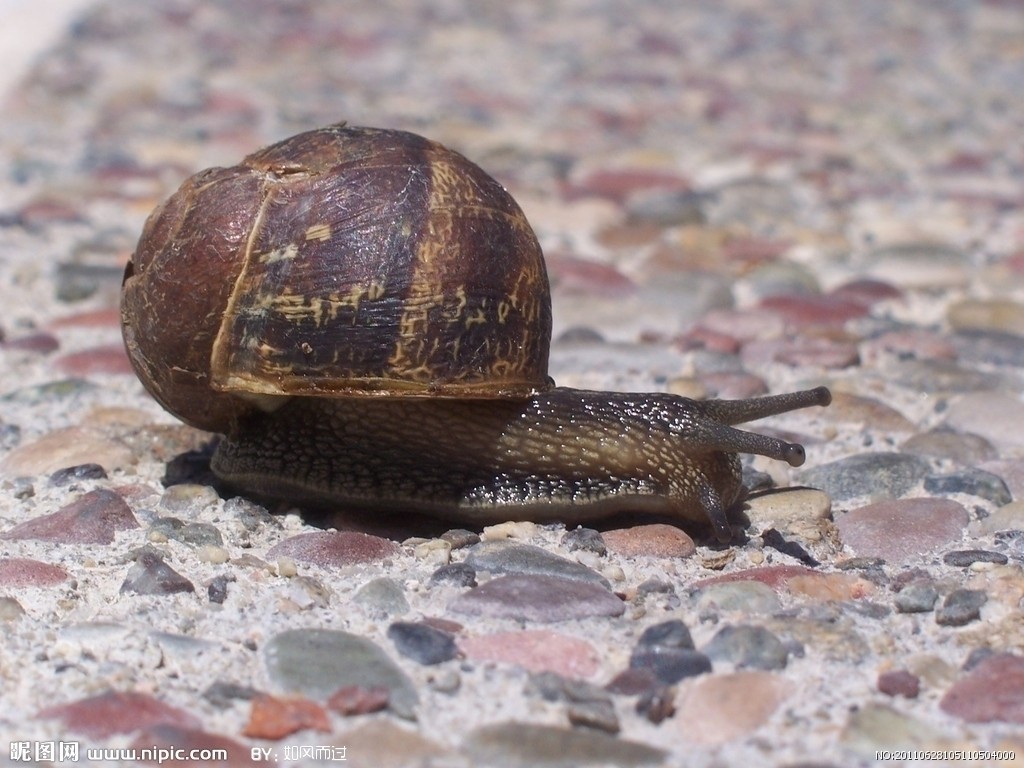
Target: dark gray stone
[973,482]
[961,606]
[317,662]
[872,475]
[422,643]
[748,646]
[512,557]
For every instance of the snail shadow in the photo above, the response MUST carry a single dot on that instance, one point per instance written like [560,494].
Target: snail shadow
[397,524]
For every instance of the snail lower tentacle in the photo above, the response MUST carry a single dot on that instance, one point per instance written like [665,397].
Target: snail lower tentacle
[569,455]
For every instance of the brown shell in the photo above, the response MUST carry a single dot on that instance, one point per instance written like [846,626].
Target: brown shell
[342,261]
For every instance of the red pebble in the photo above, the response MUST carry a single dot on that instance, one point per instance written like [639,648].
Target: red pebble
[273,717]
[899,682]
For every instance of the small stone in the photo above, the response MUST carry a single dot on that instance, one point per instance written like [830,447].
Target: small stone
[223,695]
[433,552]
[867,475]
[382,597]
[17,572]
[972,482]
[106,714]
[422,643]
[334,548]
[538,598]
[456,574]
[357,700]
[195,534]
[93,518]
[961,606]
[964,558]
[899,682]
[918,597]
[68,475]
[716,709]
[944,443]
[667,650]
[585,539]
[522,745]
[902,530]
[152,576]
[217,589]
[317,662]
[273,717]
[535,650]
[993,691]
[511,557]
[786,508]
[460,538]
[103,359]
[748,646]
[188,497]
[655,540]
[748,597]
[987,315]
[598,715]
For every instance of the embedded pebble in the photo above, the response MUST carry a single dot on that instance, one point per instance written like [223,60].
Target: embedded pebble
[654,540]
[522,745]
[944,443]
[584,539]
[870,475]
[750,597]
[538,598]
[964,558]
[899,682]
[152,576]
[317,662]
[961,606]
[900,531]
[334,548]
[972,482]
[716,709]
[18,572]
[512,557]
[274,717]
[536,650]
[106,714]
[993,691]
[918,597]
[68,475]
[357,700]
[93,518]
[788,508]
[196,534]
[422,642]
[457,574]
[877,726]
[747,646]
[382,597]
[667,650]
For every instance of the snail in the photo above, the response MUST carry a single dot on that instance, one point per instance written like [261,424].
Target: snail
[365,316]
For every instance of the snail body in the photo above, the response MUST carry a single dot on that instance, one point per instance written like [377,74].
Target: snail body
[365,316]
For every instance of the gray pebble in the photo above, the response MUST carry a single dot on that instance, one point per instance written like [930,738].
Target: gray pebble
[961,606]
[963,558]
[251,515]
[670,634]
[538,598]
[515,558]
[460,538]
[458,574]
[945,443]
[872,475]
[194,534]
[973,482]
[750,597]
[422,643]
[68,475]
[666,649]
[222,694]
[995,348]
[586,539]
[918,597]
[317,662]
[217,589]
[150,575]
[748,646]
[382,597]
